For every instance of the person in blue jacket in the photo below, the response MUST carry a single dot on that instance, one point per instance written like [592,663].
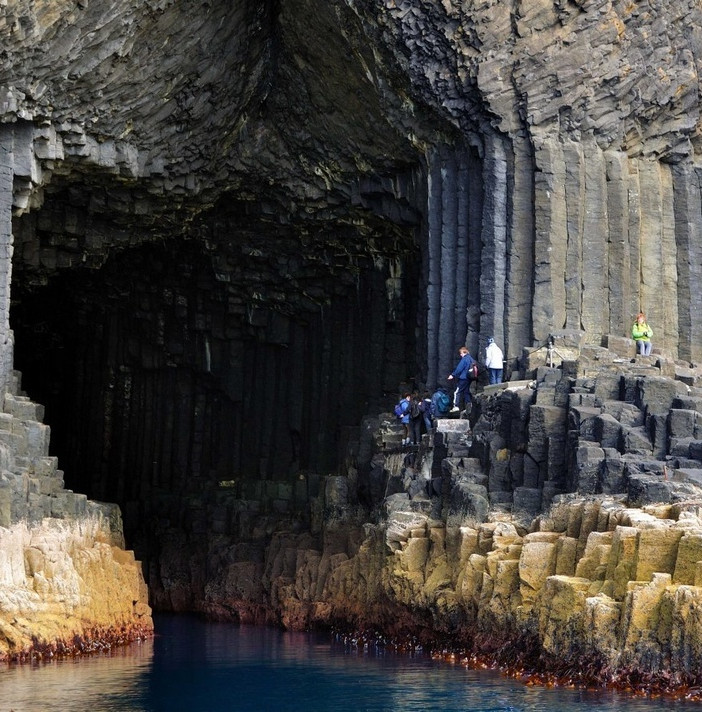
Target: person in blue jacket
[405,417]
[462,374]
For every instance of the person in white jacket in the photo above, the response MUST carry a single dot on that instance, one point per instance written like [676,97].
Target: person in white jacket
[493,361]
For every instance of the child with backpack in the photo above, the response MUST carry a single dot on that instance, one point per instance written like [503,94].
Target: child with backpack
[440,402]
[402,411]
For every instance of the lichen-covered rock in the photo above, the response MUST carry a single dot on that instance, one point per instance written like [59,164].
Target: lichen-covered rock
[66,588]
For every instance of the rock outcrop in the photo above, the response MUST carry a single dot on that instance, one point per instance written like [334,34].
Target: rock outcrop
[67,584]
[69,587]
[561,534]
[229,230]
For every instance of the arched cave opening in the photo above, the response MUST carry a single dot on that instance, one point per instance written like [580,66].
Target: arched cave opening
[180,366]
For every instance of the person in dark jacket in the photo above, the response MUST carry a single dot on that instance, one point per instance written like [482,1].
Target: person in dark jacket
[462,374]
[415,419]
[426,407]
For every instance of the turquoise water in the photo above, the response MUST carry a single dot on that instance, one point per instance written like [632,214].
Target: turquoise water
[194,666]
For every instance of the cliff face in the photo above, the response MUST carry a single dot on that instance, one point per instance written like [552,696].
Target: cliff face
[229,231]
[67,589]
[462,545]
[207,217]
[67,584]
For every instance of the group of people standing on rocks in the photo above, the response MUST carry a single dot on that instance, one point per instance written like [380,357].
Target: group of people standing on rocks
[466,372]
[417,412]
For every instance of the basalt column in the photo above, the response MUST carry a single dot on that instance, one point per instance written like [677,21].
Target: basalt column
[614,236]
[493,258]
[6,181]
[452,257]
[688,231]
[516,329]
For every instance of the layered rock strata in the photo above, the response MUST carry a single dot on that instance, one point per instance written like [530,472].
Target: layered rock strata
[67,584]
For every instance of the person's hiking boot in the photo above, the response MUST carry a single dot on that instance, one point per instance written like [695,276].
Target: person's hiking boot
[455,409]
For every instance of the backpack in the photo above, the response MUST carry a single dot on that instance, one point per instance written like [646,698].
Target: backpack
[399,412]
[474,371]
[443,402]
[414,410]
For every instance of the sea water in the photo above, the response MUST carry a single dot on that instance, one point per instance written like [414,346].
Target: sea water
[193,666]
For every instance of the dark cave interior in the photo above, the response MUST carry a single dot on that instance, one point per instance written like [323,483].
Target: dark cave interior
[239,350]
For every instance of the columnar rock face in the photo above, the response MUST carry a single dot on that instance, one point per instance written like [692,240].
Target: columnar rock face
[466,542]
[239,227]
[457,171]
[67,583]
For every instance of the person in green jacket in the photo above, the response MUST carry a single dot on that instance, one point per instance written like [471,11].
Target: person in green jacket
[641,333]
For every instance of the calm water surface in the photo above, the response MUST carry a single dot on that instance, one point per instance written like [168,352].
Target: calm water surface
[195,666]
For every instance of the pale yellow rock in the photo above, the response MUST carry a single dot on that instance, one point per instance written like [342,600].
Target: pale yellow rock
[642,519]
[647,622]
[621,566]
[623,601]
[657,552]
[507,583]
[574,514]
[485,533]
[549,537]
[686,632]
[504,598]
[492,559]
[601,616]
[513,551]
[689,554]
[536,564]
[504,535]
[588,523]
[468,543]
[560,615]
[593,563]
[487,587]
[414,555]
[566,556]
[439,579]
[660,511]
[471,579]
[63,579]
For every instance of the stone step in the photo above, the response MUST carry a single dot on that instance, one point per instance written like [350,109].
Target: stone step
[688,474]
[455,425]
[14,383]
[23,408]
